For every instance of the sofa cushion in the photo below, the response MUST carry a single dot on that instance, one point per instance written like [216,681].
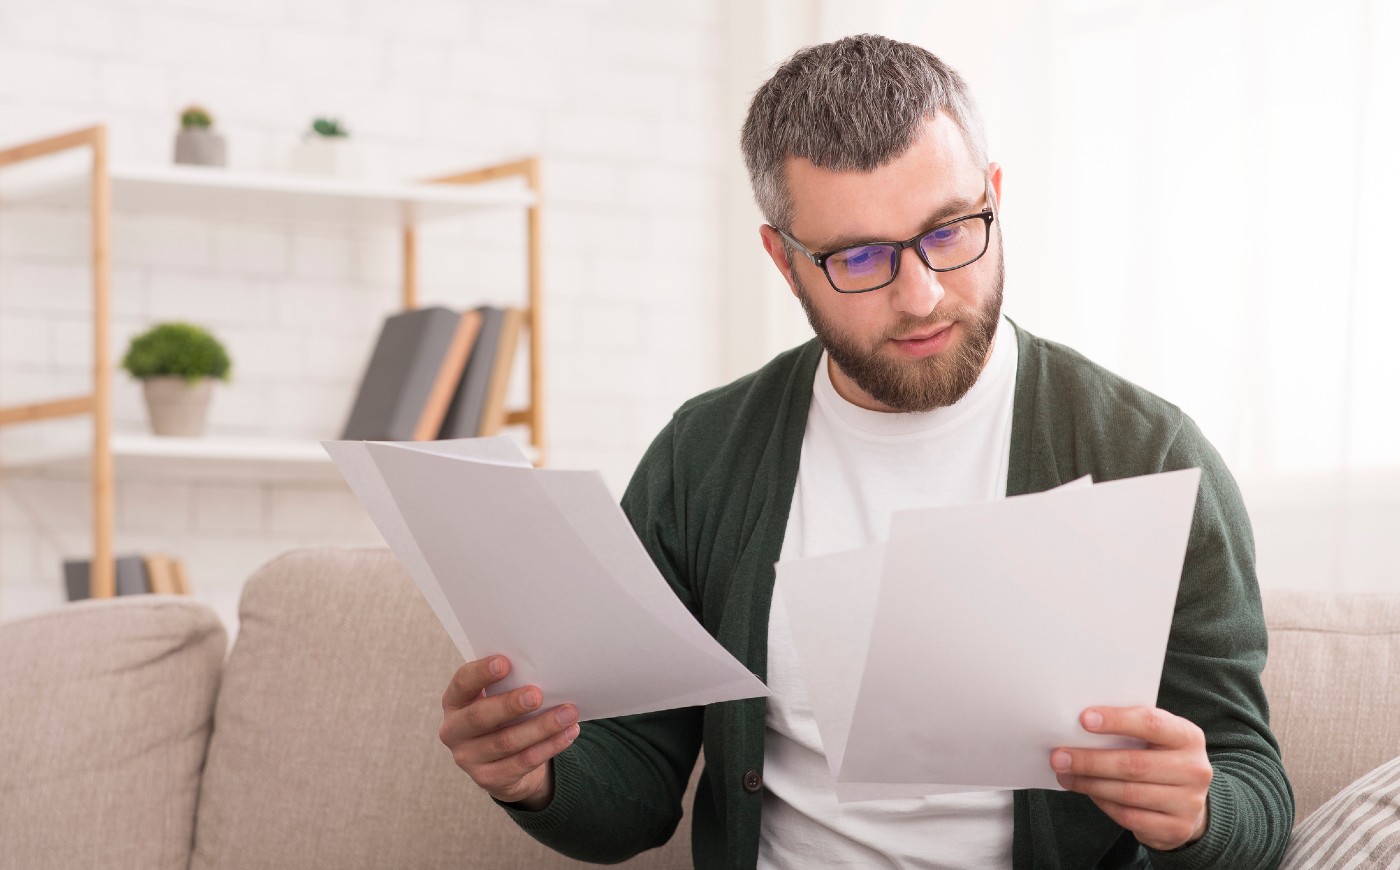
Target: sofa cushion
[1332,686]
[105,712]
[325,750]
[1359,827]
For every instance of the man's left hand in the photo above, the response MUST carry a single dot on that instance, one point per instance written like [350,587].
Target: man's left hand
[1158,793]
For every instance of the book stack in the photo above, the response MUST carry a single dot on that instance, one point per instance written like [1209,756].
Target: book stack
[436,373]
[157,573]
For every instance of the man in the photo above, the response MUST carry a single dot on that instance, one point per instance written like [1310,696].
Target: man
[869,163]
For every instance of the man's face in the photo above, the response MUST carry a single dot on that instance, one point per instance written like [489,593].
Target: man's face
[920,342]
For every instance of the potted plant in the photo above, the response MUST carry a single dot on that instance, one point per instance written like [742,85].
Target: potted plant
[197,143]
[177,364]
[325,149]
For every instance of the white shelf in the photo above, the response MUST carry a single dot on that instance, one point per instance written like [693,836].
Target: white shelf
[205,458]
[222,194]
[213,457]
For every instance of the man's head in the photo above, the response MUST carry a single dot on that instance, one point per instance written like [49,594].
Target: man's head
[870,140]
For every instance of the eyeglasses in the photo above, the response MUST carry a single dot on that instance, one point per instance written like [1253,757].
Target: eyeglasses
[862,268]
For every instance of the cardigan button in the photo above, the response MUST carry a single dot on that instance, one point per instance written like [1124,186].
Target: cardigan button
[753,781]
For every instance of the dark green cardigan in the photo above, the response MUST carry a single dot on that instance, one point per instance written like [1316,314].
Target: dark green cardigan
[710,501]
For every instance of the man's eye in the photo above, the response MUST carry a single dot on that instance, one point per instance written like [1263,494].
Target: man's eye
[945,236]
[860,258]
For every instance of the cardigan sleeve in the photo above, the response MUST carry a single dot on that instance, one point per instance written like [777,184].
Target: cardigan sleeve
[1215,654]
[618,787]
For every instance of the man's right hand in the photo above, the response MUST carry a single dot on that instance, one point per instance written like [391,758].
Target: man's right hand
[511,762]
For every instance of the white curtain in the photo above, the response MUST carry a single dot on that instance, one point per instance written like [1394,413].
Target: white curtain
[1202,195]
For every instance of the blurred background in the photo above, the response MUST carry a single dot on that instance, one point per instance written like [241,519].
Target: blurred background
[1197,195]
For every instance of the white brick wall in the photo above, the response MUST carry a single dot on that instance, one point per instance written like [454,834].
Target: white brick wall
[620,97]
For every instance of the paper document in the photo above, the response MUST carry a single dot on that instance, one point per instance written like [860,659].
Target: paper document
[541,566]
[960,653]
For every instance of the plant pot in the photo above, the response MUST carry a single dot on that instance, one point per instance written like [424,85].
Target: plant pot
[176,406]
[321,155]
[199,148]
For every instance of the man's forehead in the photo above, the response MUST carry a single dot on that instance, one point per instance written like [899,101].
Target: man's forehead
[934,174]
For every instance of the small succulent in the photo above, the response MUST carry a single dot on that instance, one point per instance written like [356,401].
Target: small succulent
[329,127]
[176,349]
[196,118]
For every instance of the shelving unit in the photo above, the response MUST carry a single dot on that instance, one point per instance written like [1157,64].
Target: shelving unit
[216,194]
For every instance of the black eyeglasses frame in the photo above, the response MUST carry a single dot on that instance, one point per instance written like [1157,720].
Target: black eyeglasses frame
[819,258]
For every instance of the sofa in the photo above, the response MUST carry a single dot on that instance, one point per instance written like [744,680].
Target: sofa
[132,737]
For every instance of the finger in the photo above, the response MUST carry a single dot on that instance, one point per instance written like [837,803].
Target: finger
[1152,829]
[499,777]
[487,714]
[519,737]
[1168,799]
[1166,767]
[471,679]
[1152,724]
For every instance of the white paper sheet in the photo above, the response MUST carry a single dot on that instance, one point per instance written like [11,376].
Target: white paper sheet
[999,623]
[830,601]
[353,461]
[542,567]
[994,626]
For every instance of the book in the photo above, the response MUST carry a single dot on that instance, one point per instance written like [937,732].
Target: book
[182,580]
[130,570]
[464,415]
[161,574]
[166,575]
[493,414]
[411,376]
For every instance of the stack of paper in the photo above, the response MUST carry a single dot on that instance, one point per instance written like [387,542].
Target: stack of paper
[541,566]
[994,626]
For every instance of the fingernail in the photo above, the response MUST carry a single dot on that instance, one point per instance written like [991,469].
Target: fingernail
[1093,720]
[530,699]
[1060,760]
[566,715]
[571,732]
[498,667]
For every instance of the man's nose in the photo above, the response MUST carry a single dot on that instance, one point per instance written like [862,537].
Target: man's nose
[916,289]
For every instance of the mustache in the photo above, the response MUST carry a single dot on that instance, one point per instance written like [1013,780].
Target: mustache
[908,323]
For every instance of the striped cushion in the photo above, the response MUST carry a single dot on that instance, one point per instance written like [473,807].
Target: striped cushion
[1358,828]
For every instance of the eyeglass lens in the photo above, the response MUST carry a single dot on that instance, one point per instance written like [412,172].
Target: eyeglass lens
[865,267]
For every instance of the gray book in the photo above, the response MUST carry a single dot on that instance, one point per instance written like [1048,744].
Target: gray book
[469,403]
[415,351]
[131,576]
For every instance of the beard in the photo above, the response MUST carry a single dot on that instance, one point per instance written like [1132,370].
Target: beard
[920,384]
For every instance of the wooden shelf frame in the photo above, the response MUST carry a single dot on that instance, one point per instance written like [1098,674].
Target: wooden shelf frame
[98,403]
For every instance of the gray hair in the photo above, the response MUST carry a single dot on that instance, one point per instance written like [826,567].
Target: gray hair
[850,105]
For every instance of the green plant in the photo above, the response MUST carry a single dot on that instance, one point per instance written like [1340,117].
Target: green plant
[329,127]
[196,118]
[179,350]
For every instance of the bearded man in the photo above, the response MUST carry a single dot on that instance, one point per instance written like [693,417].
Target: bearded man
[869,164]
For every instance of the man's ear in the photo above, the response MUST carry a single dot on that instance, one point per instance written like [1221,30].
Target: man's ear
[773,244]
[994,175]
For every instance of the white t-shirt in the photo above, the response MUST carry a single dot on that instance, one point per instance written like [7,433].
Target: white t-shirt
[857,468]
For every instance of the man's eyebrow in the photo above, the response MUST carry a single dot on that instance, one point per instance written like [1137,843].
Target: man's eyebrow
[950,209]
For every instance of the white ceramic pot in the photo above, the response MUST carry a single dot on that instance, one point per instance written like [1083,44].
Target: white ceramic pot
[176,406]
[323,155]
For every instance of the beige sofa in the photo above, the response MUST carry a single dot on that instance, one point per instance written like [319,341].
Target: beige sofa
[127,740]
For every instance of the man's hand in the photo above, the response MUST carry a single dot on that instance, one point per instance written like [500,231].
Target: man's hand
[511,762]
[1158,793]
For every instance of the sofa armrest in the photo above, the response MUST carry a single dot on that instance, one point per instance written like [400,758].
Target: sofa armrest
[1333,682]
[105,710]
